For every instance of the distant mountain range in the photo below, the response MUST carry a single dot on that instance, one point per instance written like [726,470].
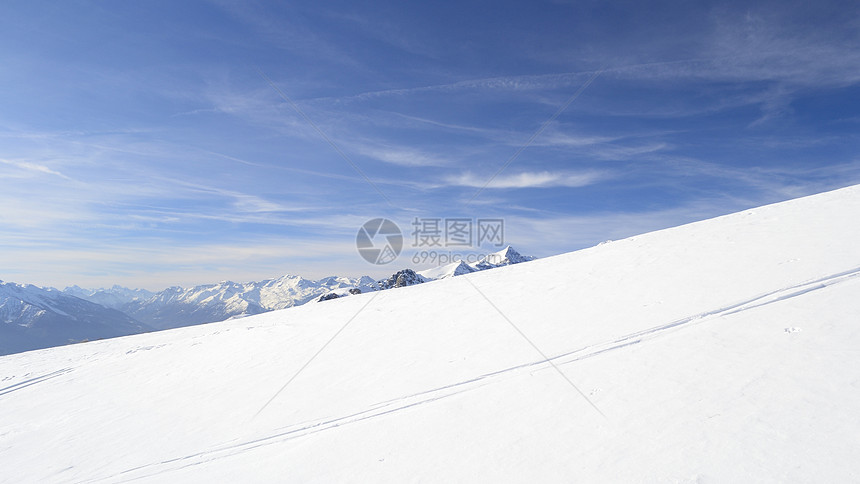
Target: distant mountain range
[176,306]
[32,317]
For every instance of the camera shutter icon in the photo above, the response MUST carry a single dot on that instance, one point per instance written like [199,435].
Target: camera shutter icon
[379,241]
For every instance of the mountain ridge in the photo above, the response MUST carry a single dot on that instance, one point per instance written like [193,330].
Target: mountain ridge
[177,306]
[32,317]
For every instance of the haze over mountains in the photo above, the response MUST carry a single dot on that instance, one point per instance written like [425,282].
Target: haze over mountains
[33,317]
[177,306]
[719,351]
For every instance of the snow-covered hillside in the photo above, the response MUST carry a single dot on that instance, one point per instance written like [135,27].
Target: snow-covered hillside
[720,351]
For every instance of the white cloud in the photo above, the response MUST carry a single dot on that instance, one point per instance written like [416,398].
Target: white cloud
[757,47]
[399,155]
[523,83]
[32,168]
[771,183]
[541,179]
[627,152]
[770,55]
[559,234]
[567,139]
[155,264]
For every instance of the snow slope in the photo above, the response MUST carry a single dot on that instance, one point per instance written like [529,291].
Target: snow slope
[720,351]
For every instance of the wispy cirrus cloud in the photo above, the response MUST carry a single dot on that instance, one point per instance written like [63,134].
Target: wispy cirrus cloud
[281,26]
[155,263]
[756,57]
[769,183]
[557,234]
[399,155]
[516,83]
[760,46]
[539,179]
[26,168]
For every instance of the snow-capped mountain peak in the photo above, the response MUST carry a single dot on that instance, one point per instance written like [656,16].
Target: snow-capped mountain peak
[504,257]
[115,297]
[449,270]
[177,306]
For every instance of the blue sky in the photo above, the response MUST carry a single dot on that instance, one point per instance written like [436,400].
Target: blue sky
[142,143]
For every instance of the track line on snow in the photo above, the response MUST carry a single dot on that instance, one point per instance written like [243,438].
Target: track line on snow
[540,352]
[234,449]
[33,381]
[312,358]
[752,303]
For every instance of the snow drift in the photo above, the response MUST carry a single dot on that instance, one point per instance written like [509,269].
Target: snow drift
[720,351]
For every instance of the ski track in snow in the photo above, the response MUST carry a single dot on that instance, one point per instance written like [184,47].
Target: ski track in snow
[32,381]
[229,450]
[755,302]
[428,396]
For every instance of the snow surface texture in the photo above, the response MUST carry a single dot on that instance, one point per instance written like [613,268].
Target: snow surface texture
[720,351]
